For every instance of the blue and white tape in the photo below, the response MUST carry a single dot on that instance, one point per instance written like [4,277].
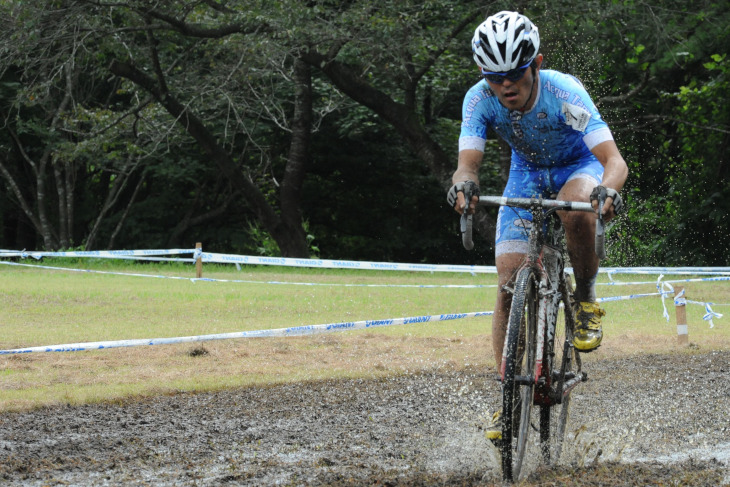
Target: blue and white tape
[277,332]
[209,257]
[103,254]
[709,313]
[249,281]
[664,289]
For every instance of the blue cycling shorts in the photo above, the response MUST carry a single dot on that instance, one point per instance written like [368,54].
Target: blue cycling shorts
[529,181]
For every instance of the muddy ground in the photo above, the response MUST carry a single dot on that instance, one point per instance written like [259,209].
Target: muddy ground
[643,420]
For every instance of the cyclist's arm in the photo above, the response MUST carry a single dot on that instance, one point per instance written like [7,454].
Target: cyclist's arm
[468,169]
[615,171]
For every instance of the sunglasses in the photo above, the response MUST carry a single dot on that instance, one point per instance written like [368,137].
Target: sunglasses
[512,75]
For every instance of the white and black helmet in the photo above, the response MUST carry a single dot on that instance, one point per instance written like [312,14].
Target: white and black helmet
[505,41]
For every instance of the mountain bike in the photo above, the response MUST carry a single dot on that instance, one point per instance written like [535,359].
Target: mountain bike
[540,366]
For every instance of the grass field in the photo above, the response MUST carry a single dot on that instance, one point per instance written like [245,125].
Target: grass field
[48,307]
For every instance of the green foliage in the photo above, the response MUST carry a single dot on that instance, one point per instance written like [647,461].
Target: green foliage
[685,222]
[260,242]
[659,72]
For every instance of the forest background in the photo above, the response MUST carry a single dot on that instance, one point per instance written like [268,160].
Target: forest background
[329,128]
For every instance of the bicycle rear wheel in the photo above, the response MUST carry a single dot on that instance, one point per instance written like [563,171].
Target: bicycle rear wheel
[519,373]
[559,358]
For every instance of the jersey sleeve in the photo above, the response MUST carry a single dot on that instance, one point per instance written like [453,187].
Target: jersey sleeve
[473,121]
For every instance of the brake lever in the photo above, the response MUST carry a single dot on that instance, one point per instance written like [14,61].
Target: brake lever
[466,218]
[466,230]
[601,228]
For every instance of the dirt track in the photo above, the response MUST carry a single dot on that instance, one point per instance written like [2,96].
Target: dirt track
[645,420]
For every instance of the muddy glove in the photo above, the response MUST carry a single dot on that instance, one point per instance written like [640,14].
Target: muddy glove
[468,188]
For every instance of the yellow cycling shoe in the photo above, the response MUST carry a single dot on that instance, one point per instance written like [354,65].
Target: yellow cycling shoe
[494,429]
[588,333]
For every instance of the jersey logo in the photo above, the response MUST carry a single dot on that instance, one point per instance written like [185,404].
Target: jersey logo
[514,118]
[576,116]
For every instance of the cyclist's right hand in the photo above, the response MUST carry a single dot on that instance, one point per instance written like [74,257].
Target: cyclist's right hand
[602,195]
[459,193]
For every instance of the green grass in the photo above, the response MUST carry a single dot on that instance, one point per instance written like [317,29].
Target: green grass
[45,307]
[48,307]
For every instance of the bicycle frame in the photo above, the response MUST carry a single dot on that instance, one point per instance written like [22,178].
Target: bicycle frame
[539,286]
[549,300]
[545,258]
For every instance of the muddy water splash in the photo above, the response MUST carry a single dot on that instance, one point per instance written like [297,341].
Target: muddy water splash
[416,429]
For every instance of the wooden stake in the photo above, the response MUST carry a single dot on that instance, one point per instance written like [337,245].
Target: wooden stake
[198,261]
[681,312]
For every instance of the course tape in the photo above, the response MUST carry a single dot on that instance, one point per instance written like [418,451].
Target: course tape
[149,254]
[665,289]
[277,332]
[104,254]
[216,258]
[249,281]
[306,329]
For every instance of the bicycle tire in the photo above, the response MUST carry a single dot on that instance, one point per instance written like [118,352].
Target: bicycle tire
[519,371]
[554,416]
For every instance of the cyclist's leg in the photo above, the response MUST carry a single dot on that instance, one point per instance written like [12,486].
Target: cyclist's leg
[507,264]
[579,234]
[575,183]
[580,228]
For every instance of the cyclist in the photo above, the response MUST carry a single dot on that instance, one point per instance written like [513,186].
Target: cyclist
[560,145]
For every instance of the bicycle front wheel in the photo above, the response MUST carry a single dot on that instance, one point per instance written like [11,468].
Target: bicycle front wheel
[559,358]
[519,373]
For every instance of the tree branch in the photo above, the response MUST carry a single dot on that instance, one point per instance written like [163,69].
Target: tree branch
[434,54]
[196,30]
[626,96]
[196,129]
[403,120]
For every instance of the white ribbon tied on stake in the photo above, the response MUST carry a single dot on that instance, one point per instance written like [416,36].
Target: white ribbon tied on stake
[710,314]
[679,299]
[664,289]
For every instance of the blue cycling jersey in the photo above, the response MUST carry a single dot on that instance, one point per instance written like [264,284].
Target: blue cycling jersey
[560,129]
[551,144]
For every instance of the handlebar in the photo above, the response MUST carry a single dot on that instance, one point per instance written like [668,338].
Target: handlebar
[534,203]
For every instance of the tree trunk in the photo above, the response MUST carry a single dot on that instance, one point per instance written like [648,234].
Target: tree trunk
[291,243]
[123,218]
[120,182]
[291,233]
[63,216]
[406,122]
